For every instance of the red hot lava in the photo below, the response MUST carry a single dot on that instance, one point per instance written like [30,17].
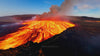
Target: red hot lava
[36,31]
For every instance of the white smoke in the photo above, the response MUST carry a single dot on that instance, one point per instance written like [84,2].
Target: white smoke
[12,24]
[64,9]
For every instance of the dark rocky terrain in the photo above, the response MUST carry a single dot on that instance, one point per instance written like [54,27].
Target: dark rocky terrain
[81,40]
[15,18]
[74,42]
[24,17]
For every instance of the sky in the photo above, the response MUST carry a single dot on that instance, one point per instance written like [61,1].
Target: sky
[89,8]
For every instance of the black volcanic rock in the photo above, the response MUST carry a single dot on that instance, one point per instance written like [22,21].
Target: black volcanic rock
[2,23]
[71,42]
[82,40]
[9,29]
[24,17]
[74,41]
[28,49]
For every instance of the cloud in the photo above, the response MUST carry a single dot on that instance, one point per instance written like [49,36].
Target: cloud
[85,6]
[47,2]
[93,3]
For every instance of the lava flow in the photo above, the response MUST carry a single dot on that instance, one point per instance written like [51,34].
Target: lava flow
[36,31]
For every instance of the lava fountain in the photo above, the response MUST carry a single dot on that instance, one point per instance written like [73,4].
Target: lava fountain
[36,31]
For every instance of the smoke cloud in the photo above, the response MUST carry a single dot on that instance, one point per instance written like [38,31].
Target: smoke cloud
[64,9]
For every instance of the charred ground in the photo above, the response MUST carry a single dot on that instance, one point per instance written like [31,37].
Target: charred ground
[82,40]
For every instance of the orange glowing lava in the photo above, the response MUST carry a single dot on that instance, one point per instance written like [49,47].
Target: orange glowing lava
[91,21]
[36,31]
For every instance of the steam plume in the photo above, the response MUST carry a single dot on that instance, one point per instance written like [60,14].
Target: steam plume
[65,8]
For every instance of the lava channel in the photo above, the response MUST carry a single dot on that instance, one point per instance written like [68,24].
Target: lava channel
[36,31]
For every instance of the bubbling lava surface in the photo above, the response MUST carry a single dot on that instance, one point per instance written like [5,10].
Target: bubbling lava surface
[34,30]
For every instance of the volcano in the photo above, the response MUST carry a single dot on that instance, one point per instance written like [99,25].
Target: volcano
[35,31]
[82,39]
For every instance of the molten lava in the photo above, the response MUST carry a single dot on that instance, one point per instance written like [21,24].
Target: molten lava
[91,21]
[36,31]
